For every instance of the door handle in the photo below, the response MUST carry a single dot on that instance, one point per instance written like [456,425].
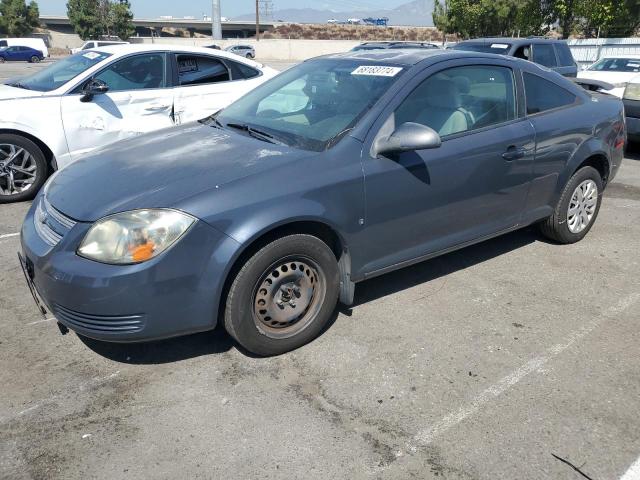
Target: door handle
[514,153]
[157,108]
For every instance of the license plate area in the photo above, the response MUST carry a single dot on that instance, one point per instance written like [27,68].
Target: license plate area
[29,273]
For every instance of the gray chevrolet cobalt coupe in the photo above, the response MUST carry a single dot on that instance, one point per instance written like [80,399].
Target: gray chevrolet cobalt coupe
[265,215]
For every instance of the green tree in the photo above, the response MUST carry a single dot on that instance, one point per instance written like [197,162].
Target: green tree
[121,19]
[92,19]
[17,18]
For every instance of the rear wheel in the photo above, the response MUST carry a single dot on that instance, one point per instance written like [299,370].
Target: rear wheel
[577,208]
[23,168]
[249,55]
[283,296]
[2,60]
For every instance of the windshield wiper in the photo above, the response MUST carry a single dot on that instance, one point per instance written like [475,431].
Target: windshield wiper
[19,85]
[255,133]
[212,119]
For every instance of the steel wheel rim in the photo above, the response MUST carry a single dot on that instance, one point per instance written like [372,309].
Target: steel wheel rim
[18,169]
[582,206]
[287,296]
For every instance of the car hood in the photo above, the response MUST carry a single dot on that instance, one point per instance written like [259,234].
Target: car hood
[12,93]
[609,77]
[160,169]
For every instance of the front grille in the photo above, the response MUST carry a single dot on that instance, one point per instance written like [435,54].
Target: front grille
[51,225]
[99,323]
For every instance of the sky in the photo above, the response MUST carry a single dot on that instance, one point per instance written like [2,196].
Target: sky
[196,8]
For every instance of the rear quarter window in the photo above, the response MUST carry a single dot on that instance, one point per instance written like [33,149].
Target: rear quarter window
[543,95]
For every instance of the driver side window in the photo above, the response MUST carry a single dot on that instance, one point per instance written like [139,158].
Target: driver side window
[460,99]
[138,72]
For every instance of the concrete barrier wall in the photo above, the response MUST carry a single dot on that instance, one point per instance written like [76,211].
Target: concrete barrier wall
[268,49]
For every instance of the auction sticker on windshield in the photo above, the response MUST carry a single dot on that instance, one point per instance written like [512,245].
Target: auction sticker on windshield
[376,70]
[91,55]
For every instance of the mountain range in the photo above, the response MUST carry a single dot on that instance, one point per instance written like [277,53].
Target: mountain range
[415,13]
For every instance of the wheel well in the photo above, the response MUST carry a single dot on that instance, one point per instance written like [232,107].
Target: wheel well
[600,163]
[316,229]
[48,154]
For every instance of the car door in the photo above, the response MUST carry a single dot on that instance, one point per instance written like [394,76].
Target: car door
[206,84]
[473,186]
[139,100]
[13,53]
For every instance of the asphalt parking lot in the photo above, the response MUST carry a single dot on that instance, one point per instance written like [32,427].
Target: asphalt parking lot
[481,364]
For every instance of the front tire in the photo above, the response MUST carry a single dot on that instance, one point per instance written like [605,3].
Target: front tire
[283,296]
[577,209]
[23,168]
[35,59]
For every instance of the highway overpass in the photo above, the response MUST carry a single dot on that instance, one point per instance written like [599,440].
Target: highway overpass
[158,27]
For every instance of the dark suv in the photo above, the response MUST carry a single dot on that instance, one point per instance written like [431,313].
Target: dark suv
[553,54]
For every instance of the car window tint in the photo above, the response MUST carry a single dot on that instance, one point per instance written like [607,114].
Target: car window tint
[544,55]
[88,46]
[564,55]
[241,71]
[200,70]
[461,99]
[135,73]
[544,95]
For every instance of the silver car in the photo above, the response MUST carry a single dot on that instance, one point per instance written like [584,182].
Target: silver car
[246,51]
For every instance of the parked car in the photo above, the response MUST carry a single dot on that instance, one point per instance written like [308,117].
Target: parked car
[339,169]
[91,44]
[20,54]
[631,100]
[35,43]
[393,45]
[616,70]
[100,96]
[246,51]
[553,54]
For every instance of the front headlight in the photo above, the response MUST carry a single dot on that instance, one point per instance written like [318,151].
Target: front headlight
[135,236]
[632,92]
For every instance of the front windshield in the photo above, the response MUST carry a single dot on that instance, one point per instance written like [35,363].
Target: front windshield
[617,65]
[61,72]
[314,104]
[499,48]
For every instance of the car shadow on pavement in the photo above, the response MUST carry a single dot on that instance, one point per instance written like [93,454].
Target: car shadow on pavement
[444,265]
[217,341]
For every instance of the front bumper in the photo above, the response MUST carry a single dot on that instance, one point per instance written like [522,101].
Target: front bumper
[173,294]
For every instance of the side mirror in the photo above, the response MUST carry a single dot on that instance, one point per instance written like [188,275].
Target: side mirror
[408,137]
[92,88]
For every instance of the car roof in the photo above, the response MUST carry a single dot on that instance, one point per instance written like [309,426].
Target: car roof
[624,55]
[410,56]
[512,40]
[128,48]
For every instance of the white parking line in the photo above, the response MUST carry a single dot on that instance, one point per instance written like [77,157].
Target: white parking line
[633,473]
[9,235]
[41,321]
[427,435]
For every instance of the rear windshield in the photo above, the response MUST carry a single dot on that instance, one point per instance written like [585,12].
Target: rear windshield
[617,65]
[496,47]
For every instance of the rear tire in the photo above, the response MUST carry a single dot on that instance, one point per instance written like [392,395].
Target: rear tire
[12,176]
[577,208]
[283,296]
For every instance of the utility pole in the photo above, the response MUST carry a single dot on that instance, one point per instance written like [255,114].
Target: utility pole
[216,21]
[257,21]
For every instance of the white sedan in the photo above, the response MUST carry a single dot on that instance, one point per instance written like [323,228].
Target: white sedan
[616,70]
[104,95]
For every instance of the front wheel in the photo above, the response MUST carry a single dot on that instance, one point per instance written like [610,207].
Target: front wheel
[577,208]
[23,168]
[283,296]
[35,59]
